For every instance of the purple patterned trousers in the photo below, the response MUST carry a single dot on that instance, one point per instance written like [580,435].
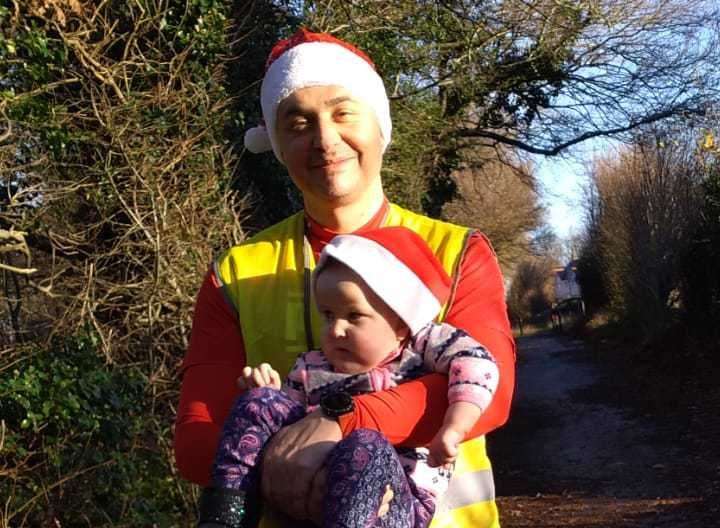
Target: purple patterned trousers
[359,467]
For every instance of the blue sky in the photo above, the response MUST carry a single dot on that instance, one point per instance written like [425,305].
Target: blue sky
[561,180]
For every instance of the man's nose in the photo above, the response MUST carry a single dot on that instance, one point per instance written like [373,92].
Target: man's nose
[326,134]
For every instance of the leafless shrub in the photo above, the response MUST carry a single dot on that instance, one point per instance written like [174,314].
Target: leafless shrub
[531,290]
[647,205]
[132,203]
[497,194]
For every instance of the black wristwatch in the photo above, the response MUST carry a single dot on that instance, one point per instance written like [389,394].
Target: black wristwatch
[336,404]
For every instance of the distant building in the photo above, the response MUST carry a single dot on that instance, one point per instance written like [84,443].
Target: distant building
[566,284]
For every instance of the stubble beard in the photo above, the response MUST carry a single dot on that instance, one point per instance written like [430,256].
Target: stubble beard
[337,186]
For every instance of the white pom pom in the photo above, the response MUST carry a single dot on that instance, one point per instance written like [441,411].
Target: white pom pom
[257,140]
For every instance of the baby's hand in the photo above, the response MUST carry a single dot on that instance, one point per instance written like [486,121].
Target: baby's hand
[262,376]
[459,419]
[444,446]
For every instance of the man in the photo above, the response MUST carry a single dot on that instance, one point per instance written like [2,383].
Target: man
[328,121]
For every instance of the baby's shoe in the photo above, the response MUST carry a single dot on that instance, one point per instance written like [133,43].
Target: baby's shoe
[228,507]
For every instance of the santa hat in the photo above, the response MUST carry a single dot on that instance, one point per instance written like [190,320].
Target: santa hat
[316,59]
[399,267]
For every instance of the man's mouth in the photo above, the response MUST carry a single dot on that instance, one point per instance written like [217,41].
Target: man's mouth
[331,163]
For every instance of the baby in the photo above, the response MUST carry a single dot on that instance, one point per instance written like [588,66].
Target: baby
[379,293]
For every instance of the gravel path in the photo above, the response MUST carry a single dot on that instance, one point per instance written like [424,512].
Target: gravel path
[583,449]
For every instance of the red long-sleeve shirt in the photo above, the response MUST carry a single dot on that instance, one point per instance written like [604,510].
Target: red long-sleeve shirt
[409,414]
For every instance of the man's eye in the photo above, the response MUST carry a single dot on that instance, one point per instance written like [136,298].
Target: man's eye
[298,124]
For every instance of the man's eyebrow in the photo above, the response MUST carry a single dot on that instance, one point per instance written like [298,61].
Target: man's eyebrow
[289,110]
[294,109]
[338,100]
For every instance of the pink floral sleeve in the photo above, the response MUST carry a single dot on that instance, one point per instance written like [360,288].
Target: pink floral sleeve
[472,372]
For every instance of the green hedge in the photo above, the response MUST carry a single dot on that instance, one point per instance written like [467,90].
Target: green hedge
[84,442]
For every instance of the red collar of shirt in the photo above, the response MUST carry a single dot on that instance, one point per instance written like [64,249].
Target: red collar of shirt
[319,235]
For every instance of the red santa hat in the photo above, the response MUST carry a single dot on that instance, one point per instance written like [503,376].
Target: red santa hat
[399,267]
[316,59]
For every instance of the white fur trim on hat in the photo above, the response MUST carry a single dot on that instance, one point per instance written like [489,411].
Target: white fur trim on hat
[395,283]
[323,64]
[257,140]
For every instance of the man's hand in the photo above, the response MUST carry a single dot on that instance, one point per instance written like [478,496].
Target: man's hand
[291,464]
[262,376]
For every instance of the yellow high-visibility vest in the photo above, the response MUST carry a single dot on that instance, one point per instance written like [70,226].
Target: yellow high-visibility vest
[266,279]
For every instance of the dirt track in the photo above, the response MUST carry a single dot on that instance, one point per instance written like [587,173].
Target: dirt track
[584,449]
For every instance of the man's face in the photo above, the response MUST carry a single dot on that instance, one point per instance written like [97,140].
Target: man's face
[330,143]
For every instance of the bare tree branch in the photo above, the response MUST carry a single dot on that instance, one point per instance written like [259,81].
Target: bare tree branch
[505,140]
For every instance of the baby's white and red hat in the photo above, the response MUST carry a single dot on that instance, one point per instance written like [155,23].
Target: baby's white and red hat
[399,267]
[316,59]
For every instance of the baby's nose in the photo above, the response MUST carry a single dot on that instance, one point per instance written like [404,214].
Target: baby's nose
[338,328]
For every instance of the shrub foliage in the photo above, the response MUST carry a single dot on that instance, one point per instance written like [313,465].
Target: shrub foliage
[118,178]
[76,445]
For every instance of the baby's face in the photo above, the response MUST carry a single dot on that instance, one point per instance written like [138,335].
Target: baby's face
[360,330]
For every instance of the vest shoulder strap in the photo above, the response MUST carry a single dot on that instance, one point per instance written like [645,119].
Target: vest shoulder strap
[263,280]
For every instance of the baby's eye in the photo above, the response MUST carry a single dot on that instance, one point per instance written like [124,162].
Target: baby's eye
[353,317]
[328,316]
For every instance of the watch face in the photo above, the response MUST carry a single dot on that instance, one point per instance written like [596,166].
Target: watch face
[337,404]
[337,400]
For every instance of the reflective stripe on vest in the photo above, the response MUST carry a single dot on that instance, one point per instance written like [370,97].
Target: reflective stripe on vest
[264,279]
[470,498]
